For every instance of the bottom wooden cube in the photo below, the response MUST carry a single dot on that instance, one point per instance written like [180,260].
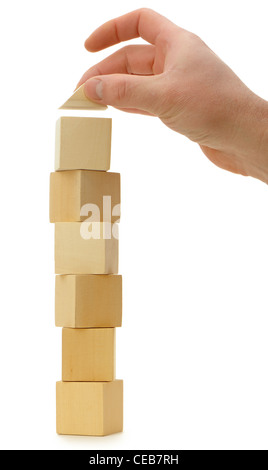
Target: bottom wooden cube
[89,408]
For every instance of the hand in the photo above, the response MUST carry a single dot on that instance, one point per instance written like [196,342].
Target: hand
[180,80]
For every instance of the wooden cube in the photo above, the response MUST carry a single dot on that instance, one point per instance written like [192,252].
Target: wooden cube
[89,408]
[77,255]
[79,100]
[88,301]
[88,355]
[72,190]
[83,143]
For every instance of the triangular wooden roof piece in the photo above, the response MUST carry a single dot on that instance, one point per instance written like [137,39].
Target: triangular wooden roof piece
[79,101]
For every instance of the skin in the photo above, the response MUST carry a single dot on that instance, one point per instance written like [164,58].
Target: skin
[179,79]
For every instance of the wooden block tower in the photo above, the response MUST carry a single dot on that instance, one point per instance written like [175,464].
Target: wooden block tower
[85,208]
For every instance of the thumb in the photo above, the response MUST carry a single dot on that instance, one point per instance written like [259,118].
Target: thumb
[126,91]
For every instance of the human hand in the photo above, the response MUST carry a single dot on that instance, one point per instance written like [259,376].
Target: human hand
[180,80]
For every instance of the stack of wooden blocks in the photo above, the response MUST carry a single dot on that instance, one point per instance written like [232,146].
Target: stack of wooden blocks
[85,207]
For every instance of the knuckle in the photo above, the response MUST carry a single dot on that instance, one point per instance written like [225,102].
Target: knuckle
[146,10]
[121,91]
[128,48]
[190,37]
[193,36]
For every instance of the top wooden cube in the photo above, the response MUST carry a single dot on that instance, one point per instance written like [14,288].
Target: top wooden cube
[83,143]
[79,100]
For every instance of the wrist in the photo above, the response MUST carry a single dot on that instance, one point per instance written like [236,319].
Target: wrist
[251,143]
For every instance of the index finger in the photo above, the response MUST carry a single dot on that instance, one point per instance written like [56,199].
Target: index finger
[144,23]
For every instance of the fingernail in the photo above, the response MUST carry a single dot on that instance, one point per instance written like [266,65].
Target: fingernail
[93,89]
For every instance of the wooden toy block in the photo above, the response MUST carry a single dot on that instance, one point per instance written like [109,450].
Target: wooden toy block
[83,143]
[88,355]
[77,255]
[88,301]
[89,408]
[72,190]
[78,100]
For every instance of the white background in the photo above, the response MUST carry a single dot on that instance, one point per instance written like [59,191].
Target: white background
[193,351]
